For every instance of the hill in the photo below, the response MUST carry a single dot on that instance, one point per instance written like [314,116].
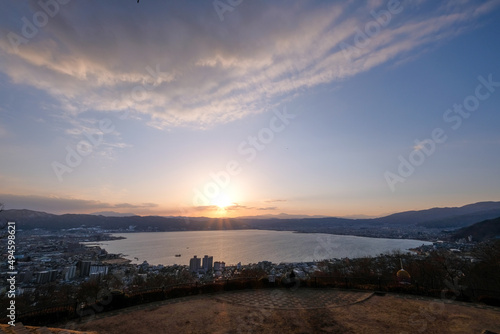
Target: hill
[487,229]
[435,218]
[445,217]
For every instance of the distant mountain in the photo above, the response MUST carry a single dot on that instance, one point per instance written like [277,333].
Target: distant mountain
[288,216]
[445,217]
[29,220]
[481,231]
[360,217]
[415,220]
[16,215]
[112,214]
[281,216]
[461,220]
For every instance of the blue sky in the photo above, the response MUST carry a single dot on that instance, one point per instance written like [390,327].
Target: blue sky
[248,107]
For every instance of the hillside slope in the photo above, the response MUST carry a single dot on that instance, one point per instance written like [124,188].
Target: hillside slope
[481,231]
[430,218]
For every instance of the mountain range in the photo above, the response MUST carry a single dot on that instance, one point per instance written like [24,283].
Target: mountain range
[450,218]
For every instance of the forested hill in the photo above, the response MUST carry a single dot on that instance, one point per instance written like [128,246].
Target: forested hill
[431,218]
[487,229]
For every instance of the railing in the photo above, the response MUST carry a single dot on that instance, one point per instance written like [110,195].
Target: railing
[121,299]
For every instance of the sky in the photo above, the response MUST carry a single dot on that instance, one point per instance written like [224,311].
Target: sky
[242,108]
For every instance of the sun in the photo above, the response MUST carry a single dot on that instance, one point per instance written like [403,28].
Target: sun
[222,201]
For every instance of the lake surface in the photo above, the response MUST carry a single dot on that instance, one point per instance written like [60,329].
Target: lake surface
[249,246]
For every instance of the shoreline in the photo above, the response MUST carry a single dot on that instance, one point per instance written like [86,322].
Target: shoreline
[431,240]
[321,247]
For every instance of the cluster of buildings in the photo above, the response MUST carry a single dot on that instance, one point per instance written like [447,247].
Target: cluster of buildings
[82,269]
[460,246]
[203,268]
[205,265]
[45,257]
[60,257]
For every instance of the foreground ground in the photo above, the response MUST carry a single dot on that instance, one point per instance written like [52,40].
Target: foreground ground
[300,311]
[19,328]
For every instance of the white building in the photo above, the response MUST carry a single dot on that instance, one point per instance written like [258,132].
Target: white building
[101,270]
[69,273]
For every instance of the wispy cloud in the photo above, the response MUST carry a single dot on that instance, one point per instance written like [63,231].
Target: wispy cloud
[234,207]
[80,128]
[274,200]
[177,64]
[64,205]
[3,132]
[269,208]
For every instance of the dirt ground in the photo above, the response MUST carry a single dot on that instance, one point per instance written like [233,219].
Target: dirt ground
[7,329]
[378,314]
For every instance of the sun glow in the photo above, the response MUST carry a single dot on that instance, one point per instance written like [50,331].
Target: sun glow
[222,202]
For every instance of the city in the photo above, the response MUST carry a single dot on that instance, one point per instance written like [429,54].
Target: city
[236,166]
[71,259]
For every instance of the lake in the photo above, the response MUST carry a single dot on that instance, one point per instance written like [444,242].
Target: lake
[249,246]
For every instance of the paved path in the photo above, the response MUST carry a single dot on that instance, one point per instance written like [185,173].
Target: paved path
[302,298]
[293,299]
[264,298]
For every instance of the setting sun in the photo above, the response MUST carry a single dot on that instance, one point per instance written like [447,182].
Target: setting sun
[222,201]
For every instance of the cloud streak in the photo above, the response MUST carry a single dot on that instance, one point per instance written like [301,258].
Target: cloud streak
[275,200]
[64,205]
[234,207]
[197,71]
